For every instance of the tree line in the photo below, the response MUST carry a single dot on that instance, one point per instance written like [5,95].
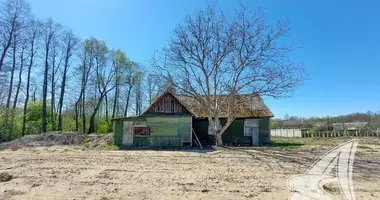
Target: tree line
[52,80]
[325,123]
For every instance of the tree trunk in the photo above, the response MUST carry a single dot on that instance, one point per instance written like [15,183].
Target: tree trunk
[91,128]
[7,45]
[84,111]
[76,116]
[106,99]
[63,86]
[218,139]
[19,79]
[12,73]
[27,90]
[115,101]
[127,104]
[82,100]
[44,90]
[52,100]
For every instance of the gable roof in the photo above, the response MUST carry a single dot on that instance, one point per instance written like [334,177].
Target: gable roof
[252,106]
[293,123]
[162,96]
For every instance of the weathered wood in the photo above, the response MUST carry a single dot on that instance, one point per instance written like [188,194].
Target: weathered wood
[128,133]
[168,104]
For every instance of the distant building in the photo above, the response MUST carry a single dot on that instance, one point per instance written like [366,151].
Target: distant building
[351,127]
[296,124]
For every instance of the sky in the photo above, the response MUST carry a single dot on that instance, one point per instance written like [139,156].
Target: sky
[339,40]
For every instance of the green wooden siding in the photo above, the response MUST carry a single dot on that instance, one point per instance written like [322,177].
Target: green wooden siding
[169,125]
[171,130]
[264,137]
[234,135]
[165,131]
[119,128]
[118,132]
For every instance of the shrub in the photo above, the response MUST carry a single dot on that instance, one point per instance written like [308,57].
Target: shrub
[104,127]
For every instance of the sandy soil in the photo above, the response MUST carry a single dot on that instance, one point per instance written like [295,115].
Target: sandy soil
[67,172]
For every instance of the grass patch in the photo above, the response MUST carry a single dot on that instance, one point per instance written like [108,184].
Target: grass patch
[111,147]
[287,143]
[86,140]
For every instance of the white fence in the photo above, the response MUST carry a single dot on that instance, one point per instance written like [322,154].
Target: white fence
[286,132]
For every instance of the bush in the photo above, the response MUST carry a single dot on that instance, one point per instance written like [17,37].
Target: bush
[104,127]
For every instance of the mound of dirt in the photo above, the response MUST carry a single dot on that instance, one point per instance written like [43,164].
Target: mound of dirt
[95,140]
[59,138]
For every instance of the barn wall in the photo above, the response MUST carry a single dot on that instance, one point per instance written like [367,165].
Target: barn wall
[119,128]
[234,135]
[200,127]
[165,131]
[264,131]
[170,130]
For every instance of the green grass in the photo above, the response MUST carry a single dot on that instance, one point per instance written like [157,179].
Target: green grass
[85,140]
[287,143]
[111,147]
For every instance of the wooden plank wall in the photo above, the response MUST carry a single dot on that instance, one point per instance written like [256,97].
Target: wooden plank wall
[168,104]
[169,126]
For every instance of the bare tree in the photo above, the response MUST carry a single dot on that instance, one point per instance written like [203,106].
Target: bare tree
[138,93]
[220,57]
[87,59]
[71,43]
[132,76]
[33,34]
[154,86]
[105,75]
[50,31]
[122,65]
[55,66]
[13,13]
[22,62]
[13,69]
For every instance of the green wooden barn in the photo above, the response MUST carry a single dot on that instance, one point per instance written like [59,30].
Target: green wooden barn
[178,120]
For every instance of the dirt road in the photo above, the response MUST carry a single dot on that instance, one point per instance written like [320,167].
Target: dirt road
[67,172]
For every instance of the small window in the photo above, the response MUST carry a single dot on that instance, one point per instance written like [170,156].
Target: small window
[141,130]
[210,128]
[250,126]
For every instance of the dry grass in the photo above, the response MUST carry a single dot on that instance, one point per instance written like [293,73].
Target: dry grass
[63,172]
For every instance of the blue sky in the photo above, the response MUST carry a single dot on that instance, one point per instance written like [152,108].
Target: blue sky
[340,42]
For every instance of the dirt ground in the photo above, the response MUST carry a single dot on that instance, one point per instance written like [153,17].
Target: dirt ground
[77,172]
